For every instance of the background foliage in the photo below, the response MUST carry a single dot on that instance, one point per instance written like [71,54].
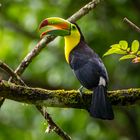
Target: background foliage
[19,20]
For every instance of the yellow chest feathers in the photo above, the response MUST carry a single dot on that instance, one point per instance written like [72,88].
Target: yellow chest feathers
[71,42]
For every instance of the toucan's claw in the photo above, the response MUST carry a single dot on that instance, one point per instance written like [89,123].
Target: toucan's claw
[81,91]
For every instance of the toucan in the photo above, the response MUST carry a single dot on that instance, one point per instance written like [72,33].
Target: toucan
[84,62]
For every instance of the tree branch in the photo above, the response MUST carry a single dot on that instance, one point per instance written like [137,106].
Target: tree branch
[84,10]
[63,98]
[9,71]
[131,24]
[52,124]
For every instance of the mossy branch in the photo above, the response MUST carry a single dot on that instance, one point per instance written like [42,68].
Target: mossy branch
[63,98]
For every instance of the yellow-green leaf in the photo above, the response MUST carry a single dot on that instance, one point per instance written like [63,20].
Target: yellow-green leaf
[129,56]
[135,46]
[138,53]
[116,51]
[123,44]
[114,46]
[128,49]
[110,51]
[119,51]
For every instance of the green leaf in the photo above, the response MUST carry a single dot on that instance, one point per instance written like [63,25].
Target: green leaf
[116,51]
[110,51]
[115,46]
[119,51]
[138,53]
[129,56]
[135,46]
[123,44]
[128,49]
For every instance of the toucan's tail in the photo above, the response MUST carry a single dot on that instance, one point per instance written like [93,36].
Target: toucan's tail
[100,106]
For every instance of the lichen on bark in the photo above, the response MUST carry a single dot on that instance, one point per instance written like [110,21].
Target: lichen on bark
[64,98]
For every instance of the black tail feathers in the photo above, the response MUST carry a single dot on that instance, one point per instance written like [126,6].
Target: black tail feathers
[100,106]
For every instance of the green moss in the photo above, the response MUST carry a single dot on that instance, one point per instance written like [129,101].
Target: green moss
[5,83]
[64,98]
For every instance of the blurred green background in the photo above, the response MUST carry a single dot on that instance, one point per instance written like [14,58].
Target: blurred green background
[102,27]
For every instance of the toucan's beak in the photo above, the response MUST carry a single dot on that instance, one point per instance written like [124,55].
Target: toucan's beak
[60,26]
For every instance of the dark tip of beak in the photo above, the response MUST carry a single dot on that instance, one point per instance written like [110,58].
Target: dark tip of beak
[43,34]
[43,24]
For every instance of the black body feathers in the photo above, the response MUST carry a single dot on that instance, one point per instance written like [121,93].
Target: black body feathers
[89,69]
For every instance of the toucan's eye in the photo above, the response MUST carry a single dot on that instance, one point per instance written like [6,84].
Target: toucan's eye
[73,27]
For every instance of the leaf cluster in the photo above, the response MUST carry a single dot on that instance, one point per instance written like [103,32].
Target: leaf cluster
[122,48]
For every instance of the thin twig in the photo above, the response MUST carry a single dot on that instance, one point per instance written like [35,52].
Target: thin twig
[7,69]
[83,11]
[131,24]
[52,124]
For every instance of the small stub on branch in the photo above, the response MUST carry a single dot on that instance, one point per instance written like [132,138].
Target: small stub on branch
[49,129]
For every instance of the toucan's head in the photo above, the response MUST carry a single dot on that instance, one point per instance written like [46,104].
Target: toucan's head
[60,27]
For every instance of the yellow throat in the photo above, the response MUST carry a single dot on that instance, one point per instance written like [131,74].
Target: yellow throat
[71,42]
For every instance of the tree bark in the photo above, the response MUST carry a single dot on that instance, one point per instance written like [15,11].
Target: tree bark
[63,98]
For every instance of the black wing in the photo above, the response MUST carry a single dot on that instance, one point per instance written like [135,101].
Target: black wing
[90,73]
[87,66]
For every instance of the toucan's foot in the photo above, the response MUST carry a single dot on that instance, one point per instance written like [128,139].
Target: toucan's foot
[81,97]
[81,94]
[81,91]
